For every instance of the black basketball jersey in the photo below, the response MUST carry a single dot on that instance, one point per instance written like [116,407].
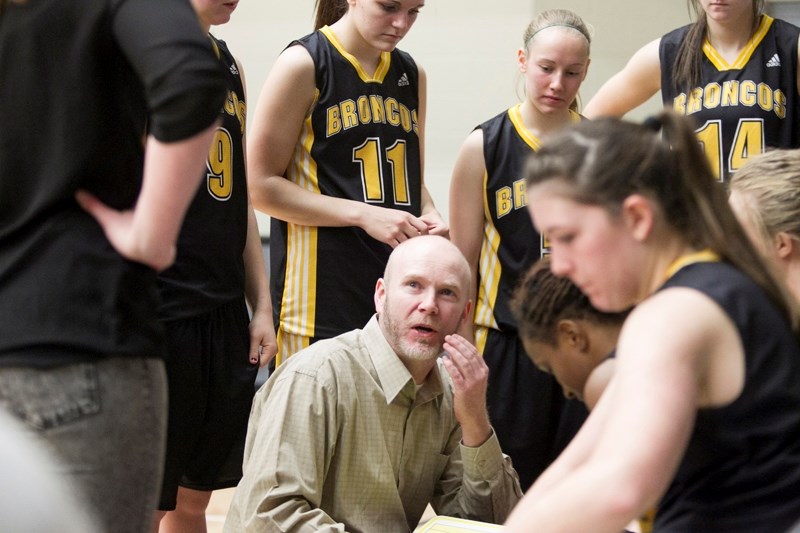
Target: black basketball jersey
[741,469]
[360,142]
[209,266]
[740,109]
[510,242]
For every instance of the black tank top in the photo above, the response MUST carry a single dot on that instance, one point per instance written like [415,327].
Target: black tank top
[743,108]
[741,469]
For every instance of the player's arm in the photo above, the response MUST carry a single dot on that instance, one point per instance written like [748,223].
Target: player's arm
[263,345]
[466,210]
[148,232]
[184,89]
[597,382]
[626,472]
[284,103]
[629,88]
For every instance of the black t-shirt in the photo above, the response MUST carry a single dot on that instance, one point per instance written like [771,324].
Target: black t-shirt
[80,79]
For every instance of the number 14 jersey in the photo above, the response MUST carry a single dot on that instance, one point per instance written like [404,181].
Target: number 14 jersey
[743,108]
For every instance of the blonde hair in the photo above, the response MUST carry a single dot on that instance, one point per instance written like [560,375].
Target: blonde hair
[769,186]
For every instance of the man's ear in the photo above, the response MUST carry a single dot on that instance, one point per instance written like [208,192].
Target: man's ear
[638,216]
[466,315]
[380,295]
[571,334]
[784,245]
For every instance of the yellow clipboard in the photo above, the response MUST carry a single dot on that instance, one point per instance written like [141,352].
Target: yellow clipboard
[447,524]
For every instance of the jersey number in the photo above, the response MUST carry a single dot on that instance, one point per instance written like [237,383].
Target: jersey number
[369,156]
[220,166]
[748,142]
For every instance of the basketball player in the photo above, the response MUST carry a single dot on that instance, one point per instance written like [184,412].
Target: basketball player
[564,334]
[704,423]
[336,153]
[490,224]
[80,344]
[734,71]
[214,348]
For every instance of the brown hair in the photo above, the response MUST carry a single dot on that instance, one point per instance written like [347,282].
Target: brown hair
[328,12]
[557,18]
[542,299]
[602,162]
[686,71]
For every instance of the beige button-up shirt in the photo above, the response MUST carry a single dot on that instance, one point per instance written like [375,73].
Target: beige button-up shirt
[340,439]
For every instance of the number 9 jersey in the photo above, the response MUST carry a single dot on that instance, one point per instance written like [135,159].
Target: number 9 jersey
[359,142]
[743,108]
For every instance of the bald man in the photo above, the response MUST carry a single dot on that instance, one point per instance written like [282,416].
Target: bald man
[361,432]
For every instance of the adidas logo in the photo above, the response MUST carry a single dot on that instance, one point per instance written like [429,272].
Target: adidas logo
[234,70]
[774,61]
[403,81]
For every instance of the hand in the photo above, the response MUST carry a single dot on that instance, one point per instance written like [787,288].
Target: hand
[263,345]
[470,377]
[120,230]
[436,224]
[392,226]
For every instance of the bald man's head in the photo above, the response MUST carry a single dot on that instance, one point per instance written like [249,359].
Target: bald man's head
[423,296]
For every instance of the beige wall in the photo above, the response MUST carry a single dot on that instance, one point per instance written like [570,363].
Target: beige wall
[468,48]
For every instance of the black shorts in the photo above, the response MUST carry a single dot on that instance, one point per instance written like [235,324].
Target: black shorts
[533,420]
[211,388]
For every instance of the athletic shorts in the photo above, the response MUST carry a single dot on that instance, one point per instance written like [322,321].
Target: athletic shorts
[529,413]
[211,388]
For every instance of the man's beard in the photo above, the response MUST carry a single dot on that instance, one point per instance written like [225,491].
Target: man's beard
[405,348]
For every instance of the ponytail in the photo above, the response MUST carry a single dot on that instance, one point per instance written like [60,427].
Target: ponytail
[328,12]
[714,223]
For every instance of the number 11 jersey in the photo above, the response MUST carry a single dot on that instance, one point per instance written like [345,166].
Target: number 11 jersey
[360,141]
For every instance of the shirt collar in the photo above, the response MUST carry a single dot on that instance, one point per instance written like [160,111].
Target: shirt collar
[392,374]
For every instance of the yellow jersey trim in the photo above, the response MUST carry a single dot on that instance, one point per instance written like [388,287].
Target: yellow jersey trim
[383,65]
[703,256]
[747,52]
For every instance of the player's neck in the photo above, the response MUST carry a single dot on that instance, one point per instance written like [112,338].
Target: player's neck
[348,36]
[541,125]
[729,38]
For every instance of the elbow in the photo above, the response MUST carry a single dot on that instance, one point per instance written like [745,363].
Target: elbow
[264,192]
[628,501]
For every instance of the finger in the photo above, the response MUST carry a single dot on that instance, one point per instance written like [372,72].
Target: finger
[93,206]
[453,370]
[419,225]
[268,353]
[255,353]
[440,231]
[457,359]
[463,350]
